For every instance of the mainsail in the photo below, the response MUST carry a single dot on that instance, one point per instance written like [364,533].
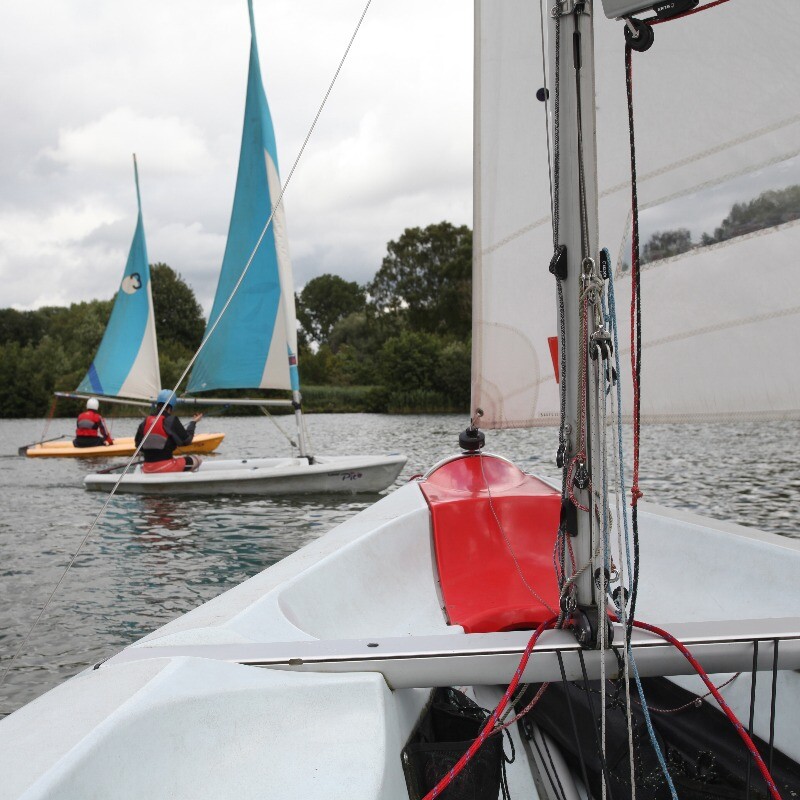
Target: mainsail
[126,363]
[255,343]
[716,316]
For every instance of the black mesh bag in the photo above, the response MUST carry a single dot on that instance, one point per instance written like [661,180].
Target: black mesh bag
[449,726]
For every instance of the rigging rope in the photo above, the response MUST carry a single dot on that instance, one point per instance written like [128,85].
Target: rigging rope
[199,349]
[628,617]
[493,717]
[271,418]
[743,734]
[636,346]
[49,418]
[622,509]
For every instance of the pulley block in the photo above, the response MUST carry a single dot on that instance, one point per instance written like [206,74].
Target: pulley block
[581,478]
[584,626]
[639,36]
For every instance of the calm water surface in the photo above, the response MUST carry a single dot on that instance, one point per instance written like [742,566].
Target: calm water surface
[151,559]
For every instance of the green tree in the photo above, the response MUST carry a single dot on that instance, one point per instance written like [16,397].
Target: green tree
[410,361]
[22,327]
[454,373]
[28,376]
[664,244]
[79,328]
[770,208]
[179,317]
[426,276]
[324,301]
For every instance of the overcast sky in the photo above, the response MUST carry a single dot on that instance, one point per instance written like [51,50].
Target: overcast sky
[85,84]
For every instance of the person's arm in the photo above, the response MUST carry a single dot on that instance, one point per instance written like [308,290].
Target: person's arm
[137,439]
[182,436]
[104,432]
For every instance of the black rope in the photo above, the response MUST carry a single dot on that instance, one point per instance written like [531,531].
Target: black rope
[572,719]
[753,677]
[556,144]
[636,288]
[576,44]
[552,765]
[772,704]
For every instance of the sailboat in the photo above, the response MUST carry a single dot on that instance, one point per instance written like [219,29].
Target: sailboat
[365,664]
[125,368]
[253,345]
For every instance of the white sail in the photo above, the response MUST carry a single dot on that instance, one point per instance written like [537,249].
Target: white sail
[731,305]
[512,370]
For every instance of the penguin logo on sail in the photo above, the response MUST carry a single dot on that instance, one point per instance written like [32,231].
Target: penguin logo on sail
[131,283]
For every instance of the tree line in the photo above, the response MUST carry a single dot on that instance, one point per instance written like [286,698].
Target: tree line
[405,336]
[401,342]
[50,349]
[770,208]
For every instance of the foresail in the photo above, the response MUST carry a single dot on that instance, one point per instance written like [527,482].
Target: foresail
[255,343]
[126,363]
[717,116]
[513,293]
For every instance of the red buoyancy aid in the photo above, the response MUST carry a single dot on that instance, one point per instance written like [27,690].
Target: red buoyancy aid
[157,438]
[89,423]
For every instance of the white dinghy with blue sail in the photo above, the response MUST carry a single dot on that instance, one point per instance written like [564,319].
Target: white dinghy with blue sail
[251,339]
[125,369]
[358,667]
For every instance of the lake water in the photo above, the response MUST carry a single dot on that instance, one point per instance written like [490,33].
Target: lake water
[151,559]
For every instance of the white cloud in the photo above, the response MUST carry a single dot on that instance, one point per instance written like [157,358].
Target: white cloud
[167,143]
[83,85]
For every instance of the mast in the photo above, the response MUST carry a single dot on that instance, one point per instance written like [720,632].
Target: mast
[571,47]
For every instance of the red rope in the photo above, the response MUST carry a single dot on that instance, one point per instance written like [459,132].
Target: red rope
[487,729]
[636,307]
[50,414]
[745,737]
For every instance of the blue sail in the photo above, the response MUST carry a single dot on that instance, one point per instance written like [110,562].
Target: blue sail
[126,363]
[254,345]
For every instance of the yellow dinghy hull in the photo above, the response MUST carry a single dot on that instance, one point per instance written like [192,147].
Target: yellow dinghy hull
[202,443]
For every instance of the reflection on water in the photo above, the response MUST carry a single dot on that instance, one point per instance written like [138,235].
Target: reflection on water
[153,558]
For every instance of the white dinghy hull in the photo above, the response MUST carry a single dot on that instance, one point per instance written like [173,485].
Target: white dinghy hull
[187,712]
[262,476]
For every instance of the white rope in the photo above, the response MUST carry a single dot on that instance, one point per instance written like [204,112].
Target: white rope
[618,493]
[197,353]
[272,419]
[622,550]
[602,618]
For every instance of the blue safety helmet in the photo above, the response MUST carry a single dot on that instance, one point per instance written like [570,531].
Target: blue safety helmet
[165,397]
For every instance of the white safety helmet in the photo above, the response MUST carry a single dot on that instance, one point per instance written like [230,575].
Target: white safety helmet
[93,404]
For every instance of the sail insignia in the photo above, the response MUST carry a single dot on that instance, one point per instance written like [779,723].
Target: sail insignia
[254,344]
[126,363]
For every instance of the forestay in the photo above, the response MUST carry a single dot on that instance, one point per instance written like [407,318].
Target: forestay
[717,319]
[126,363]
[255,343]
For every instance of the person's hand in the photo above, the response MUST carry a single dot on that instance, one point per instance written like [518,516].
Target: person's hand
[197,417]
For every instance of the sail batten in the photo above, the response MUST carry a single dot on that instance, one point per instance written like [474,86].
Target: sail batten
[254,344]
[126,363]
